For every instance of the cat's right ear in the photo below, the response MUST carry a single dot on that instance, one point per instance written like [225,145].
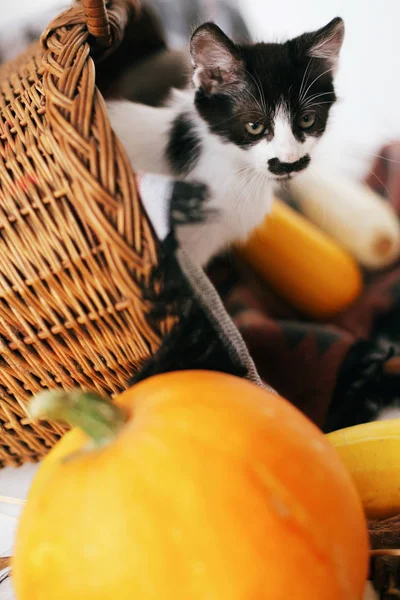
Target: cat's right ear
[216,62]
[324,44]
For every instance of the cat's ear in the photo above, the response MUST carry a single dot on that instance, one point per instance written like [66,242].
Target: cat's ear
[325,43]
[216,62]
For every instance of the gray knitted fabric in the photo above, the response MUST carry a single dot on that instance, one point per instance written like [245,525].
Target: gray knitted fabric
[227,331]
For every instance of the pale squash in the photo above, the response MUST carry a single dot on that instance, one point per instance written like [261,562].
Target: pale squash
[302,264]
[358,218]
[205,487]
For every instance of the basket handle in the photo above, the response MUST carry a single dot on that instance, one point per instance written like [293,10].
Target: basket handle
[104,20]
[97,21]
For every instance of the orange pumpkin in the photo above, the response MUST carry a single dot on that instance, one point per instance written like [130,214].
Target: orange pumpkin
[209,488]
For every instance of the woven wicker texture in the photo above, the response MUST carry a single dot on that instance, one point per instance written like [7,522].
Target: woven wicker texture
[75,246]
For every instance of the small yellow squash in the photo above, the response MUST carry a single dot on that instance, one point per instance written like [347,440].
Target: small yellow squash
[303,264]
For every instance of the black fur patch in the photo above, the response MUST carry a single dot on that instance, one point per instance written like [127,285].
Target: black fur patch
[189,204]
[184,145]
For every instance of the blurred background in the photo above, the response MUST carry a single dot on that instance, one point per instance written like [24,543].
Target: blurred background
[369,78]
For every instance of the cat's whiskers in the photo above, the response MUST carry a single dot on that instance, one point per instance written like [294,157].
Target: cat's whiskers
[313,96]
[316,79]
[307,101]
[305,81]
[256,101]
[252,186]
[247,183]
[261,92]
[372,172]
[262,106]
[246,171]
[315,101]
[308,106]
[379,180]
[263,99]
[262,180]
[242,174]
[318,202]
[392,160]
[244,112]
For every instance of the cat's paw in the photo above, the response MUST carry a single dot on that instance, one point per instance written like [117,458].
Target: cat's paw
[189,204]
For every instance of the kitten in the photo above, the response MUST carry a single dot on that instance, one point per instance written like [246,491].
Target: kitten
[252,119]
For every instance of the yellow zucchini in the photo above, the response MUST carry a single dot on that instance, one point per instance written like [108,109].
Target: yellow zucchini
[358,218]
[303,264]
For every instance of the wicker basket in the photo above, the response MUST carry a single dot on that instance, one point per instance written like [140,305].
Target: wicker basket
[76,248]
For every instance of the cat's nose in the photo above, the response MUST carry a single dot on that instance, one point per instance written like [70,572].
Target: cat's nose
[284,168]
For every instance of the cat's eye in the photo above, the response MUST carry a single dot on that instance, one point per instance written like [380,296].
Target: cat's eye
[307,120]
[255,128]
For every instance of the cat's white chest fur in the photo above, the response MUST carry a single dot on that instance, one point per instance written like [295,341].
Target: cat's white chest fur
[239,196]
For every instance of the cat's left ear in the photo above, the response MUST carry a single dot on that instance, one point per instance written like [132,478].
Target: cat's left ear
[216,61]
[325,43]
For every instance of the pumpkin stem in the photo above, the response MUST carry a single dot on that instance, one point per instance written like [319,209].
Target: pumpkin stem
[95,415]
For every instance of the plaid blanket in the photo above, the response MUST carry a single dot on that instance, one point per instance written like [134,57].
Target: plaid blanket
[339,373]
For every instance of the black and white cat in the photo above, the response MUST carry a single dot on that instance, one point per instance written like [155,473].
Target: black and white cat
[252,118]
